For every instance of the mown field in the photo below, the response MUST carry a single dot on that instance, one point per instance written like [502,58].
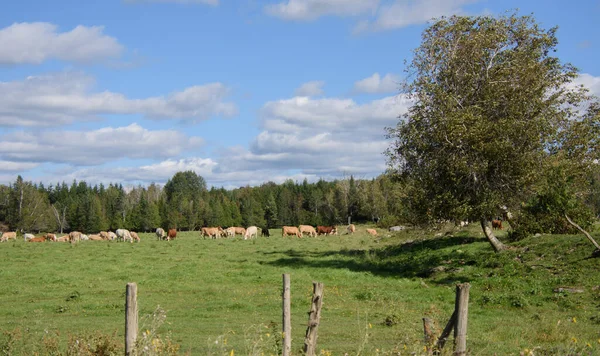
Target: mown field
[224,295]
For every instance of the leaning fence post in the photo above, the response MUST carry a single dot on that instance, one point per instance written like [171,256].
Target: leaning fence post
[314,316]
[287,320]
[461,308]
[131,318]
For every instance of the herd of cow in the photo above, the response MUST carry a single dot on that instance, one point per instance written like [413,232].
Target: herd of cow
[206,232]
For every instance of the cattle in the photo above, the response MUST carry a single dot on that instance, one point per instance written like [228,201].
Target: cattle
[265,232]
[84,237]
[50,237]
[134,236]
[307,229]
[28,236]
[290,230]
[112,236]
[351,228]
[74,236]
[38,239]
[8,235]
[96,237]
[103,235]
[497,224]
[212,232]
[172,234]
[251,231]
[326,230]
[397,228]
[240,231]
[372,232]
[63,239]
[230,231]
[124,235]
[160,233]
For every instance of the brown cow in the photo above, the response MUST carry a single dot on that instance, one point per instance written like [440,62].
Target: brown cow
[97,237]
[134,236]
[38,239]
[372,232]
[307,229]
[351,228]
[74,236]
[8,235]
[497,224]
[240,231]
[212,232]
[326,230]
[172,234]
[50,237]
[290,230]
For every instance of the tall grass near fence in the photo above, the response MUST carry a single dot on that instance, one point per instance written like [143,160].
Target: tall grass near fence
[223,295]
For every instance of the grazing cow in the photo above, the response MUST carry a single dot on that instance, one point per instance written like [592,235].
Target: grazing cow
[212,232]
[160,233]
[351,228]
[372,232]
[8,235]
[290,230]
[251,231]
[50,237]
[103,235]
[172,234]
[28,236]
[240,231]
[307,229]
[397,228]
[265,231]
[112,236]
[497,224]
[230,231]
[84,237]
[124,235]
[134,236]
[326,230]
[96,237]
[75,236]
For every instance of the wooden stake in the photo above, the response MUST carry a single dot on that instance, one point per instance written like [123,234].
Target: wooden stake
[461,309]
[287,320]
[131,318]
[314,317]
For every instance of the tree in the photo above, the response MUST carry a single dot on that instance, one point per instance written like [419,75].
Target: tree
[488,101]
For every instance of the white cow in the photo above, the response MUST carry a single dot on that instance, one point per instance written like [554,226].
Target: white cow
[251,231]
[160,233]
[28,236]
[124,235]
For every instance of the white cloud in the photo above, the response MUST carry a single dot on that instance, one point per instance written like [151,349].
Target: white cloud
[205,2]
[312,88]
[36,42]
[10,166]
[588,81]
[375,84]
[62,98]
[306,10]
[402,13]
[89,148]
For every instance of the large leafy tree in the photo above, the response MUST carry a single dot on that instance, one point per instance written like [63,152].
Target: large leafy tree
[489,100]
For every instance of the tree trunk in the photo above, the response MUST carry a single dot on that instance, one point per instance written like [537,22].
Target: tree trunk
[584,232]
[489,234]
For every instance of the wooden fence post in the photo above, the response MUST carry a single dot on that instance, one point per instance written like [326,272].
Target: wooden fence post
[131,318]
[428,333]
[314,317]
[461,308]
[287,320]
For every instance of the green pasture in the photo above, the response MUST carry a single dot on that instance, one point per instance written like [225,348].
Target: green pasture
[223,295]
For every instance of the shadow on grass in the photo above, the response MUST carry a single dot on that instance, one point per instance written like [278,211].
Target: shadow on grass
[420,258]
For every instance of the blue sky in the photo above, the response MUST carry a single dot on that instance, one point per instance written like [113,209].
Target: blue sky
[242,92]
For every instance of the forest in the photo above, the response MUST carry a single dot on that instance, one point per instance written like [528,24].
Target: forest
[186,203]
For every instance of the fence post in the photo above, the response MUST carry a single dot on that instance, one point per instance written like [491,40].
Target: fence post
[287,320]
[461,308]
[131,318]
[429,335]
[314,316]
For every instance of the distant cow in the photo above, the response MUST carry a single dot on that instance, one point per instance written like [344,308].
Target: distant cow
[112,236]
[84,237]
[28,236]
[326,230]
[212,232]
[290,230]
[134,236]
[96,237]
[64,238]
[265,232]
[160,233]
[8,235]
[38,239]
[123,235]
[497,224]
[251,231]
[396,228]
[74,236]
[240,231]
[308,230]
[372,232]
[351,228]
[172,234]
[230,231]
[50,237]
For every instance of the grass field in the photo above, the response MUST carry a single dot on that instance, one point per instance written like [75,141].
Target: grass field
[224,295]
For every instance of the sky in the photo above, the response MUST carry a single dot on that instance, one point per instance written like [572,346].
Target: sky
[241,92]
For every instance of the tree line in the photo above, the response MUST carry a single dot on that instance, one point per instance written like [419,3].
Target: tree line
[186,203]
